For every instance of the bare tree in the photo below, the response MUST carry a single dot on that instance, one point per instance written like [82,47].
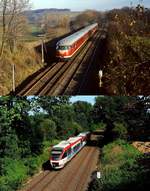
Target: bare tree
[11,12]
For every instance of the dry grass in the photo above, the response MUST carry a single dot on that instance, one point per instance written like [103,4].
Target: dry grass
[143,147]
[26,63]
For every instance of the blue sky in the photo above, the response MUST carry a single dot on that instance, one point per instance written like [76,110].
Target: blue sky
[90,99]
[78,5]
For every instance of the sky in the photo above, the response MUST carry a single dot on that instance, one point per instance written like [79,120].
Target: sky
[80,5]
[90,99]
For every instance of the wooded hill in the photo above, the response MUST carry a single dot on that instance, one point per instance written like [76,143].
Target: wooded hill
[34,15]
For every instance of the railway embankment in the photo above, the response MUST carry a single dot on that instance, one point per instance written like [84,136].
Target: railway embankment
[123,167]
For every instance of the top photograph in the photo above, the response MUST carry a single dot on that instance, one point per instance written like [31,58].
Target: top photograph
[74,47]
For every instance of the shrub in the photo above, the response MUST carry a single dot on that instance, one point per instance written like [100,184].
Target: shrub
[98,126]
[14,174]
[120,131]
[120,168]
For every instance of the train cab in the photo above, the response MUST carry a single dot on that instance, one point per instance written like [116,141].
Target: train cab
[58,158]
[62,51]
[67,47]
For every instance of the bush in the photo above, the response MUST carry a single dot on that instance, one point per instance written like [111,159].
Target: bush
[14,174]
[98,126]
[120,168]
[120,131]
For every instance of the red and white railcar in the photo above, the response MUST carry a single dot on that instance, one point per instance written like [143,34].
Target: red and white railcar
[68,46]
[66,150]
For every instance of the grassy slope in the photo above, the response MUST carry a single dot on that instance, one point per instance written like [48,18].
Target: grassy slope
[26,62]
[123,168]
[25,59]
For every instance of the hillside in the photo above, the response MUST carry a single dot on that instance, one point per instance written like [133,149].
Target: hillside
[34,15]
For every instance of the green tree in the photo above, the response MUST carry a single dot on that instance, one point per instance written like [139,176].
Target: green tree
[83,113]
[120,131]
[48,103]
[48,128]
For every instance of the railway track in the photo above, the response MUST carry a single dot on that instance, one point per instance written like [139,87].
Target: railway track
[65,81]
[46,179]
[75,176]
[55,79]
[74,87]
[73,181]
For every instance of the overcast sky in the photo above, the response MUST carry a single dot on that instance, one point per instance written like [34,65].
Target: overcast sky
[79,5]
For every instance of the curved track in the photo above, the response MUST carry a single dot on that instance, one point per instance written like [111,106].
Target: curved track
[74,176]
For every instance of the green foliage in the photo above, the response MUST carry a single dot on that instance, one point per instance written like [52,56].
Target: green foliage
[14,174]
[63,117]
[49,103]
[120,168]
[98,126]
[72,128]
[48,128]
[83,113]
[120,131]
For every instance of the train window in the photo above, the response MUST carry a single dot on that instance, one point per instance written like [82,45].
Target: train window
[64,155]
[69,151]
[55,156]
[63,47]
[76,148]
[55,153]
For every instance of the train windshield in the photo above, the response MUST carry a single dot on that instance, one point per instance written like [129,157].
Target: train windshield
[56,153]
[63,47]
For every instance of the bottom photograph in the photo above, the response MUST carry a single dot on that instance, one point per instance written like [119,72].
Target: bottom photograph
[74,143]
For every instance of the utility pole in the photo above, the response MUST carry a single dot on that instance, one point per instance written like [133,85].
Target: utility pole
[42,47]
[42,50]
[13,78]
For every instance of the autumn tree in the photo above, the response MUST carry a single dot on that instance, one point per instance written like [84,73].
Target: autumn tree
[85,18]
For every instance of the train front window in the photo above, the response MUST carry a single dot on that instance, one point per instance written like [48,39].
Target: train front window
[55,154]
[63,47]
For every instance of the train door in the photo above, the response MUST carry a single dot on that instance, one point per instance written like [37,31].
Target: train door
[64,157]
[69,153]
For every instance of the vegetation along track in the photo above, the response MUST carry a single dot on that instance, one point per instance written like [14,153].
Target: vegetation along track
[53,79]
[64,178]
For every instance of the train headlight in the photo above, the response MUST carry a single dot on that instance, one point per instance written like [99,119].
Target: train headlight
[60,162]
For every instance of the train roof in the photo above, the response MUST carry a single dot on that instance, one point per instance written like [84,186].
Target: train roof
[75,36]
[83,134]
[64,144]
